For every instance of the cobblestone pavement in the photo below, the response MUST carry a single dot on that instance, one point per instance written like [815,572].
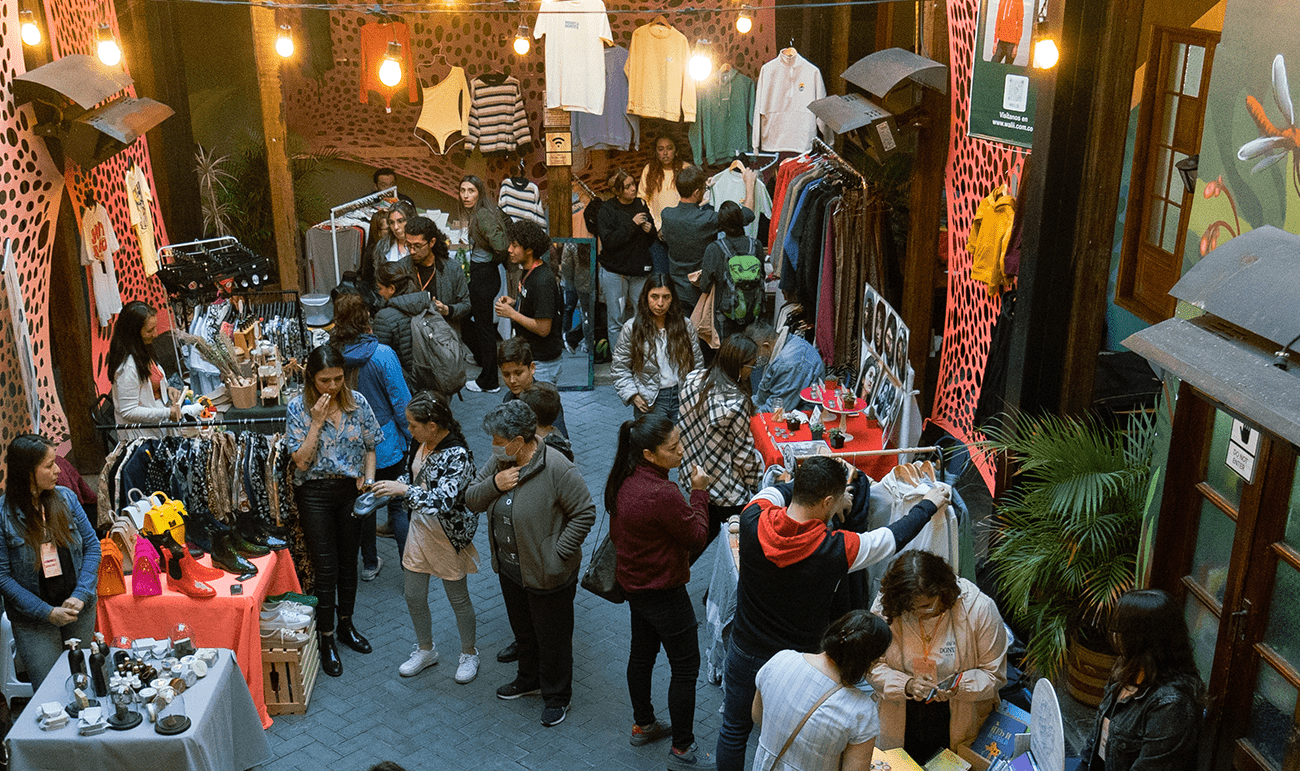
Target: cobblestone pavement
[428,721]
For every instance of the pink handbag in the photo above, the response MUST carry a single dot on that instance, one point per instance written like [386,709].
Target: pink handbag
[144,578]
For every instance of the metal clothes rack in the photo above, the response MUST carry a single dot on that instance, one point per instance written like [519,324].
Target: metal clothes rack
[835,158]
[350,206]
[191,424]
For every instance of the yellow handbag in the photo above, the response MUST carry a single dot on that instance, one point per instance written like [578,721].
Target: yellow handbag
[168,516]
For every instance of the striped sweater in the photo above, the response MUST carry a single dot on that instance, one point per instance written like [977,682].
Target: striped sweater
[521,202]
[497,120]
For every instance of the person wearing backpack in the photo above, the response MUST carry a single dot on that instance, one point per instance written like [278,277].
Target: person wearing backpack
[733,267]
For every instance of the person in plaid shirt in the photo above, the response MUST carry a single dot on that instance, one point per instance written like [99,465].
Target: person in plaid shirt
[716,406]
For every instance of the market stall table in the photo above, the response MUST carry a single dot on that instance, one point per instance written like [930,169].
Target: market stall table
[225,732]
[865,432]
[226,621]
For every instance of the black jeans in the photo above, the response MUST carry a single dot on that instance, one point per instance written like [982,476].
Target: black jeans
[926,731]
[481,332]
[396,513]
[333,539]
[543,627]
[664,617]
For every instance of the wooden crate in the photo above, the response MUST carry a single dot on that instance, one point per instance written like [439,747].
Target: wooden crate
[289,675]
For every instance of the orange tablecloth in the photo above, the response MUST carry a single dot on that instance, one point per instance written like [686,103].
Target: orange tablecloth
[224,621]
[865,432]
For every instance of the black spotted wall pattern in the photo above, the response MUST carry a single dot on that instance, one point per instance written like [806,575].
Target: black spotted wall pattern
[328,114]
[975,166]
[72,26]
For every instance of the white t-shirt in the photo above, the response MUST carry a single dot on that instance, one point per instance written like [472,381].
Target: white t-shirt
[138,202]
[396,252]
[782,120]
[98,245]
[729,185]
[574,31]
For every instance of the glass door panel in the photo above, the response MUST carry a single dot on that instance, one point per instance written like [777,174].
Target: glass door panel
[1213,554]
[1224,481]
[1272,715]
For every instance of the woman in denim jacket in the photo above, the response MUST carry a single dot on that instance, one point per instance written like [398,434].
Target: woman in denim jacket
[49,557]
[1150,715]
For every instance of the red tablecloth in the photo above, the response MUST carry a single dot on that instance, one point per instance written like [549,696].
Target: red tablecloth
[224,621]
[866,436]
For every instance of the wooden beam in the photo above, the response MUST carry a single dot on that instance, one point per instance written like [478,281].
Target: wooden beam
[70,337]
[371,153]
[559,199]
[275,132]
[841,22]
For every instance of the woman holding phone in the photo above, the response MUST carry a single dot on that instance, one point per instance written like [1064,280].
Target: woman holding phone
[332,434]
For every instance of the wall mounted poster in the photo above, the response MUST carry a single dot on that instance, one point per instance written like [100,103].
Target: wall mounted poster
[885,370]
[1002,96]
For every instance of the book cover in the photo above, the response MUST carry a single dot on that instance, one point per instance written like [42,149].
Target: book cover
[893,760]
[947,760]
[996,738]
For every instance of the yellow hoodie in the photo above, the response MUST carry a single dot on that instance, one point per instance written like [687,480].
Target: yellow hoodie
[989,235]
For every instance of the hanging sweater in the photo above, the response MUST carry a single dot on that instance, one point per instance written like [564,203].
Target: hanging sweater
[724,108]
[497,120]
[990,233]
[521,202]
[782,120]
[658,85]
[616,129]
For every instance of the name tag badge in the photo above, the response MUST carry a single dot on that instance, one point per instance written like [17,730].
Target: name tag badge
[925,669]
[50,561]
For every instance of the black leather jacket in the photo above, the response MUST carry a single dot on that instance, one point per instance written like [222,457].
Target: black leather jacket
[1155,730]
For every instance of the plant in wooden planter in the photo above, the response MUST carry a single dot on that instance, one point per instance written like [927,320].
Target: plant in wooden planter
[1066,540]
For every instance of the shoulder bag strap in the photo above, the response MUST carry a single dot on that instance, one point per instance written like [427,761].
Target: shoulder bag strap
[799,727]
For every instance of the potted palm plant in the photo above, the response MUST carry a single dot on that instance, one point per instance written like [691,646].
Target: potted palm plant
[1066,536]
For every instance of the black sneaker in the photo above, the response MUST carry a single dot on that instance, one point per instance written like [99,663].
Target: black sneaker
[693,759]
[515,689]
[509,653]
[554,715]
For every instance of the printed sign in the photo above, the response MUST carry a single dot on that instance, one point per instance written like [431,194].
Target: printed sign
[1243,448]
[1002,97]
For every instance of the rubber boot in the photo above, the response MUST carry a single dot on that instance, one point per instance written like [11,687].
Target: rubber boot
[347,634]
[225,557]
[329,656]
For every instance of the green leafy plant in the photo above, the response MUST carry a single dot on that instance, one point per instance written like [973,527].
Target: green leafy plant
[1066,538]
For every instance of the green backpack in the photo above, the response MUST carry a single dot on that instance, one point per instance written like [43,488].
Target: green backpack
[744,274]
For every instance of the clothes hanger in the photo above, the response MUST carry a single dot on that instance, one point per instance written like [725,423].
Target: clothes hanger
[789,50]
[660,19]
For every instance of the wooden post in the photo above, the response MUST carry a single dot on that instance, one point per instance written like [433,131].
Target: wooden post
[559,173]
[841,21]
[926,206]
[275,131]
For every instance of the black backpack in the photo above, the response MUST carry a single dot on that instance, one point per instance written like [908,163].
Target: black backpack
[744,275]
[437,361]
[591,212]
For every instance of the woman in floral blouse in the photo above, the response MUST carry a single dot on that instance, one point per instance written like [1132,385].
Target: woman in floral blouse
[332,434]
[440,541]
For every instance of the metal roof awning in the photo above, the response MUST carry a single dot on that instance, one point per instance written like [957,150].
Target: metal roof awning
[881,71]
[74,79]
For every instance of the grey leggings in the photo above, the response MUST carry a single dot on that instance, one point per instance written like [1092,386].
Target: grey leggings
[417,602]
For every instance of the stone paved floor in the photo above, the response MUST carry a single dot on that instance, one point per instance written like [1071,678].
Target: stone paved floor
[428,721]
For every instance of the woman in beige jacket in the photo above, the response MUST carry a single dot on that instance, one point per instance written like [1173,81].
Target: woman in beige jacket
[943,626]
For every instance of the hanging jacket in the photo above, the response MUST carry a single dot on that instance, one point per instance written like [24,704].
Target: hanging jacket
[990,233]
[380,380]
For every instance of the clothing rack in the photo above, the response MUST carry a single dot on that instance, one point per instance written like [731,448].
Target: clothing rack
[873,453]
[835,158]
[350,206]
[191,424]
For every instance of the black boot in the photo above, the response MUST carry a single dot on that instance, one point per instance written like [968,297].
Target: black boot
[225,557]
[348,635]
[198,534]
[329,655]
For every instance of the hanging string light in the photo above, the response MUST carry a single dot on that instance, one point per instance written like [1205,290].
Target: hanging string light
[390,72]
[106,47]
[1046,54]
[744,23]
[284,42]
[522,44]
[31,32]
[701,63]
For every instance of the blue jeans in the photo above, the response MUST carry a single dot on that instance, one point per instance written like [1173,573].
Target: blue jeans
[738,687]
[40,643]
[668,403]
[621,294]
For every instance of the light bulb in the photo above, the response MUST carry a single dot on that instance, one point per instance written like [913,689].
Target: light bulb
[744,23]
[701,63]
[390,72]
[1046,54]
[107,48]
[31,32]
[284,42]
[522,44]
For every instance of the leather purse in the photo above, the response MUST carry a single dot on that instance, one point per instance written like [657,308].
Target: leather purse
[600,578]
[111,580]
[165,517]
[144,578]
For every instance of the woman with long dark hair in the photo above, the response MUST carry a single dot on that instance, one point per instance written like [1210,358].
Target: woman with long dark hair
[658,347]
[1150,714]
[842,724]
[627,231]
[139,385]
[659,177]
[332,434]
[655,533]
[716,405]
[49,557]
[489,248]
[370,256]
[392,247]
[440,543]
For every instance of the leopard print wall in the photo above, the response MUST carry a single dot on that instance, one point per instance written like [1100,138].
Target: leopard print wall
[72,26]
[975,167]
[327,111]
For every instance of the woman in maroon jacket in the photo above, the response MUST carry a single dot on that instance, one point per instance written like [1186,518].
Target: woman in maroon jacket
[655,533]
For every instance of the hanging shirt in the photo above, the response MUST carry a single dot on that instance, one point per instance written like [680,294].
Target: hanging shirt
[575,31]
[139,200]
[729,185]
[521,202]
[497,119]
[723,109]
[658,85]
[782,120]
[615,128]
[98,245]
[375,38]
[785,173]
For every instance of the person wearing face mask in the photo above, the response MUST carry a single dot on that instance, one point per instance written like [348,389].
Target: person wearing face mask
[787,370]
[489,249]
[539,513]
[658,347]
[943,626]
[331,433]
[655,533]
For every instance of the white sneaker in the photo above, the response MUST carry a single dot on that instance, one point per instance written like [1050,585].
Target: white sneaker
[468,669]
[289,605]
[283,618]
[284,638]
[419,661]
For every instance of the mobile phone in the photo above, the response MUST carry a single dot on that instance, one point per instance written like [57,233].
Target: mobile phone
[236,589]
[946,685]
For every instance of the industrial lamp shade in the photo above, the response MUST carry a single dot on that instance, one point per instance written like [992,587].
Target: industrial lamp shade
[1187,168]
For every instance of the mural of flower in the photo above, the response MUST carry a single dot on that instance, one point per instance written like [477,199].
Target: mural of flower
[1274,143]
[1210,239]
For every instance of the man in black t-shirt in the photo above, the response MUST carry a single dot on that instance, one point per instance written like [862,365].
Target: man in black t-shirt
[540,305]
